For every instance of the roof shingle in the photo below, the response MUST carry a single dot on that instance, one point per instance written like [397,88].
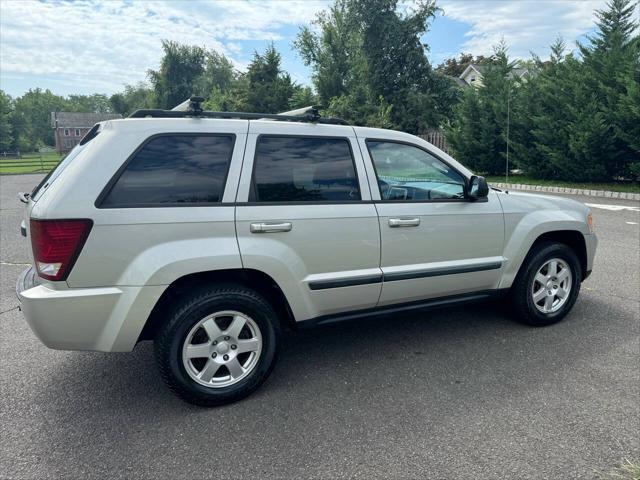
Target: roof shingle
[80,120]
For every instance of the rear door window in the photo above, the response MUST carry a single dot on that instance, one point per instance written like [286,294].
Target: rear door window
[304,169]
[173,170]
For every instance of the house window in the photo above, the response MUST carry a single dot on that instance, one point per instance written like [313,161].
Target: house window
[77,132]
[66,132]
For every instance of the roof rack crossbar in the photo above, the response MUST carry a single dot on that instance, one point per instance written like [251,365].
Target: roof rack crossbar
[311,117]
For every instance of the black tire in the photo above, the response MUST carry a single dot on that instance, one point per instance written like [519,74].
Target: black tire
[522,301]
[192,308]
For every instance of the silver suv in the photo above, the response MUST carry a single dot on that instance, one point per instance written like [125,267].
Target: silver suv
[211,232]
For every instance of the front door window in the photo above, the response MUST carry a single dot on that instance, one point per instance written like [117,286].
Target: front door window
[408,173]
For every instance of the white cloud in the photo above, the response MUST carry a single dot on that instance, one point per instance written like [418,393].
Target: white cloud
[91,45]
[104,45]
[525,25]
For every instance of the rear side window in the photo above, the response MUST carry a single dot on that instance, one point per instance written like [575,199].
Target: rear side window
[304,169]
[55,173]
[174,170]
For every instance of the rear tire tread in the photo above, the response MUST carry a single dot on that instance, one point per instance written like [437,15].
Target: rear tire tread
[163,344]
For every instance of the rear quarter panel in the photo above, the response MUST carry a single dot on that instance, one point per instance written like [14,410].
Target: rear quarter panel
[144,246]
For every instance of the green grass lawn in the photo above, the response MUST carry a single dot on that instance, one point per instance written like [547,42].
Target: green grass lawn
[630,187]
[30,163]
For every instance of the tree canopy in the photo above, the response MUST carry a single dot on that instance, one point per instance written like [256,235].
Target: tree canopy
[370,66]
[575,116]
[454,66]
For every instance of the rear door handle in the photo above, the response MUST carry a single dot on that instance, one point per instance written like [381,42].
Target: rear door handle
[404,222]
[267,227]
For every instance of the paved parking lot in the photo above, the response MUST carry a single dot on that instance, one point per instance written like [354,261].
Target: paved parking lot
[459,393]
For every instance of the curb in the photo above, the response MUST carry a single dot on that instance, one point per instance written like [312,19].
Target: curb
[569,191]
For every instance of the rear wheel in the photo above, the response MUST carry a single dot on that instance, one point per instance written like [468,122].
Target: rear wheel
[218,345]
[548,285]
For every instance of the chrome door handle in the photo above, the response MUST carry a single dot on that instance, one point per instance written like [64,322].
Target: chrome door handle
[270,227]
[404,222]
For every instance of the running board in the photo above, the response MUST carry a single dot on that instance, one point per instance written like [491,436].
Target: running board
[398,308]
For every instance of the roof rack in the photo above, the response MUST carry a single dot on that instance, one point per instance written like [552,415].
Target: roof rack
[193,108]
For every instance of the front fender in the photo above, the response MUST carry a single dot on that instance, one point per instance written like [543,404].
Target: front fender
[521,232]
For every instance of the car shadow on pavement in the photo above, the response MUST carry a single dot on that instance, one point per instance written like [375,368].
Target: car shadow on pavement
[442,362]
[441,346]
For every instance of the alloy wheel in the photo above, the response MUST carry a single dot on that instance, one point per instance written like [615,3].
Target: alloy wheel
[551,286]
[222,349]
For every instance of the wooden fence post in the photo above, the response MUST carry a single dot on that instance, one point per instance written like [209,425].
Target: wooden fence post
[436,137]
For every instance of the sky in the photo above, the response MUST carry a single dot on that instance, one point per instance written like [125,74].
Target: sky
[90,46]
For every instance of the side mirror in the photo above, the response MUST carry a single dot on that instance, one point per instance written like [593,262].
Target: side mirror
[477,188]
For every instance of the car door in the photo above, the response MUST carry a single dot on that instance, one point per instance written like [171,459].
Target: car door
[435,242]
[304,217]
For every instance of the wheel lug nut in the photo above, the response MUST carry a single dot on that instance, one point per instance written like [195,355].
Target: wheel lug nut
[214,355]
[226,338]
[233,347]
[215,342]
[226,357]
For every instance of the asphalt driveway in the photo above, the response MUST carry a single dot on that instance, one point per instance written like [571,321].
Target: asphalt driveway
[456,393]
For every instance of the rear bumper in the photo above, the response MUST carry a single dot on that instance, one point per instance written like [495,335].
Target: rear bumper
[107,319]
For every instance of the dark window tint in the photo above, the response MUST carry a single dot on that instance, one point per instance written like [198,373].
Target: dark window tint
[174,169]
[291,169]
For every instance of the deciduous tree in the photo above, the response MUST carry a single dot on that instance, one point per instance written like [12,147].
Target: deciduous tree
[370,66]
[6,131]
[179,75]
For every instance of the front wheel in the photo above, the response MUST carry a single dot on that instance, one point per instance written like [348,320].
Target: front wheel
[218,345]
[547,286]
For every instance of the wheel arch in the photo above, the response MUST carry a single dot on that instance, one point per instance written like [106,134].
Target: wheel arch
[574,239]
[254,279]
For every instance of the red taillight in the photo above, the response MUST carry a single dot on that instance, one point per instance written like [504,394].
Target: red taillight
[56,245]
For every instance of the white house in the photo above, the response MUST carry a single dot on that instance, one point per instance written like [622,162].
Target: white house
[472,75]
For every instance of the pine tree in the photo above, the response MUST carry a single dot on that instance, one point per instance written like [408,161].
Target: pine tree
[609,77]
[544,114]
[584,112]
[478,130]
[269,87]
